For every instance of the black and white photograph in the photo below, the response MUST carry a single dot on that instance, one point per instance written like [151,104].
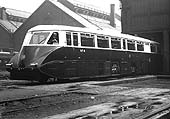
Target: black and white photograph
[84,59]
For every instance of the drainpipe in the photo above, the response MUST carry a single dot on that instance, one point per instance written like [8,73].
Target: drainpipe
[112,15]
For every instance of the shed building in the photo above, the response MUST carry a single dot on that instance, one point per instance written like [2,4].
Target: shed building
[10,20]
[149,19]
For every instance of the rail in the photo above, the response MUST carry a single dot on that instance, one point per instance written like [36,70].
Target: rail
[99,96]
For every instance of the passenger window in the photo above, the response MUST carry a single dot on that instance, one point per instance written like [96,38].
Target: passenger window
[116,43]
[158,48]
[75,39]
[103,41]
[146,43]
[131,44]
[54,39]
[140,46]
[87,40]
[153,47]
[124,43]
[68,38]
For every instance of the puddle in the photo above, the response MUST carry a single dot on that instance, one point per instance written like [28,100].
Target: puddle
[154,98]
[157,103]
[164,94]
[116,111]
[12,87]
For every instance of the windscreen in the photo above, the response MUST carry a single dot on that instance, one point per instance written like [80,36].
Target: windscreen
[39,38]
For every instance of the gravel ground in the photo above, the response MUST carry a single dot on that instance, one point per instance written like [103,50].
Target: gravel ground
[149,94]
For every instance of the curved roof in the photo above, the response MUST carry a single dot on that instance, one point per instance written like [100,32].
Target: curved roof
[89,30]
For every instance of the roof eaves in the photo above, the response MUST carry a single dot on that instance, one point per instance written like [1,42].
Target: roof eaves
[18,13]
[6,27]
[77,17]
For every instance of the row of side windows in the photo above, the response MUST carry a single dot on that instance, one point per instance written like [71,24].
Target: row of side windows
[88,40]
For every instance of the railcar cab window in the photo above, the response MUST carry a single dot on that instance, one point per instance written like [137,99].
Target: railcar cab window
[140,46]
[39,37]
[54,39]
[87,40]
[103,41]
[116,43]
[131,44]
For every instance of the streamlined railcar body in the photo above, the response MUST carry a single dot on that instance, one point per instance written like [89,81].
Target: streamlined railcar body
[63,52]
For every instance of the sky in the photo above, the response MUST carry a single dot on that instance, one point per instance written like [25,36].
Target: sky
[32,5]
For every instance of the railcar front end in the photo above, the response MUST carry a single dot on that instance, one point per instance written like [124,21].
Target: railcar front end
[37,47]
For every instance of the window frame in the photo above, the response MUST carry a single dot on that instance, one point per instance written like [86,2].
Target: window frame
[130,43]
[87,37]
[103,38]
[153,47]
[75,38]
[70,40]
[45,40]
[50,38]
[117,42]
[139,44]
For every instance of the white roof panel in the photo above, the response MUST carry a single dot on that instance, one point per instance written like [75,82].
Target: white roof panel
[109,32]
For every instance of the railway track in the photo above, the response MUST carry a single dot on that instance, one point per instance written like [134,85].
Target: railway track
[97,100]
[23,105]
[162,113]
[60,100]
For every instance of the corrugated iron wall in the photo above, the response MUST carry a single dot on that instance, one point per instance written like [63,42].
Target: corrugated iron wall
[145,15]
[149,19]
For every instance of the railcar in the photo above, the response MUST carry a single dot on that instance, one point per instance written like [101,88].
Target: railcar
[64,52]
